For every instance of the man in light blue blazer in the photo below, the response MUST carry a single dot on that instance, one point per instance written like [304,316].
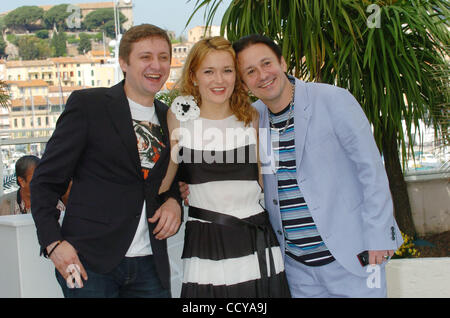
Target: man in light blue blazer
[325,185]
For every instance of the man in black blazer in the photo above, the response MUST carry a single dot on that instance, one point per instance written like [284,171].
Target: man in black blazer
[113,143]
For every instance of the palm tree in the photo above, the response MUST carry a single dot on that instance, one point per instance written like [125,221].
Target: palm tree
[391,55]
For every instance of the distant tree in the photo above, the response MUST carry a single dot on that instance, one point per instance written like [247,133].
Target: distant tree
[103,19]
[12,38]
[58,43]
[98,37]
[73,39]
[32,48]
[2,24]
[109,29]
[2,46]
[24,16]
[42,34]
[56,15]
[85,43]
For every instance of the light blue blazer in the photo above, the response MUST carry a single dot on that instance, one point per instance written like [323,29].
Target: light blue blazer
[339,171]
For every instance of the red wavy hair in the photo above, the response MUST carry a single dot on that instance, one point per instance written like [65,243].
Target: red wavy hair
[239,100]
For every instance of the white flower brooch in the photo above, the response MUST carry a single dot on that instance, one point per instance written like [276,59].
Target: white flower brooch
[185,108]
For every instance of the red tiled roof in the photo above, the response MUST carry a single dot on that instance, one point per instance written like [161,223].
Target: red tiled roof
[38,101]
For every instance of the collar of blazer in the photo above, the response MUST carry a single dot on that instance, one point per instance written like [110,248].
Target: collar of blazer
[120,113]
[302,114]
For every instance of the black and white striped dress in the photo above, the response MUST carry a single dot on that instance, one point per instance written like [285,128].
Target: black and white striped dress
[230,249]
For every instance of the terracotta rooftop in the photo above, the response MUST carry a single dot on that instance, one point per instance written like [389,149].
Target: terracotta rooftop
[99,53]
[30,83]
[176,62]
[73,60]
[170,85]
[56,89]
[38,101]
[28,63]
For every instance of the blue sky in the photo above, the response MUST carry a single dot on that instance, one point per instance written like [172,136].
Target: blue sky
[168,14]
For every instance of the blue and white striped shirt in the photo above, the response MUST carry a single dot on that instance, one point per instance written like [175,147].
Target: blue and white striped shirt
[303,241]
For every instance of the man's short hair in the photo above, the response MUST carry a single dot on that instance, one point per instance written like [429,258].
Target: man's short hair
[252,39]
[138,33]
[23,164]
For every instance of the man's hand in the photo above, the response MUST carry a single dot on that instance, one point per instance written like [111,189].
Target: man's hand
[67,263]
[184,191]
[169,216]
[378,257]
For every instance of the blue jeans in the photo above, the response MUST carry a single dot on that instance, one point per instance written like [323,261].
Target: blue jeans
[134,277]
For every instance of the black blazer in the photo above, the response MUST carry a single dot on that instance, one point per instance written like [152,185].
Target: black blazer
[94,144]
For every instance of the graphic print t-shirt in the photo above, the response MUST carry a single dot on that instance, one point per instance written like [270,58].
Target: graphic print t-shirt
[148,135]
[149,141]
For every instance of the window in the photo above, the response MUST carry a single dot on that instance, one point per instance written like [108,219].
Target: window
[93,83]
[46,121]
[39,121]
[23,122]
[79,73]
[92,72]
[15,122]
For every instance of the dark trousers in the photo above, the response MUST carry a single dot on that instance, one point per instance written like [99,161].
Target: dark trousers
[134,277]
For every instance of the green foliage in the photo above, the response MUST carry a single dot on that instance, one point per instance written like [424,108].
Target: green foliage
[98,37]
[2,46]
[24,16]
[56,15]
[32,48]
[102,19]
[42,34]
[12,38]
[73,39]
[2,23]
[85,43]
[167,97]
[109,29]
[58,43]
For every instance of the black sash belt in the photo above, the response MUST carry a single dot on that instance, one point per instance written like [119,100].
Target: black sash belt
[262,239]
